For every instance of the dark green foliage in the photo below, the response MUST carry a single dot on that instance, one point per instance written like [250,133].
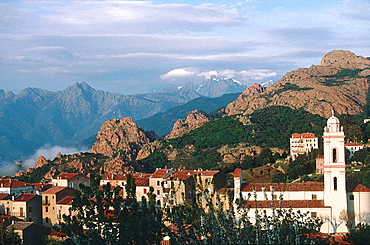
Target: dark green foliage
[303,164]
[274,125]
[279,178]
[8,236]
[291,87]
[162,122]
[218,224]
[111,219]
[360,235]
[155,160]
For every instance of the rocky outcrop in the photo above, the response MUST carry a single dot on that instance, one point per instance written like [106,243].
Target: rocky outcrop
[341,83]
[120,136]
[194,119]
[41,161]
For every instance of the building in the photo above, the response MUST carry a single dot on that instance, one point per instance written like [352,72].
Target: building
[15,187]
[72,180]
[328,200]
[28,208]
[29,232]
[50,198]
[302,143]
[353,147]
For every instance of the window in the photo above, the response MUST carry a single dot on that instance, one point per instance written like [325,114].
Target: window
[335,183]
[334,155]
[314,197]
[313,214]
[30,209]
[46,220]
[46,209]
[351,197]
[144,190]
[158,192]
[158,183]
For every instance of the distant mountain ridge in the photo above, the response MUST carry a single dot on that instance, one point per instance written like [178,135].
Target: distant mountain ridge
[36,117]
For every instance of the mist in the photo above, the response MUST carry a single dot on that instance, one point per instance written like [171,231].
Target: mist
[48,151]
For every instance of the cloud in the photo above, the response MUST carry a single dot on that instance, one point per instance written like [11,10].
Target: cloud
[48,151]
[194,74]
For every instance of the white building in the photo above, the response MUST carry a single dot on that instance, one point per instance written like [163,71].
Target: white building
[328,199]
[353,147]
[302,143]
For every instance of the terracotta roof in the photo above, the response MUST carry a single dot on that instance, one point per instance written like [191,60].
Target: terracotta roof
[115,177]
[57,233]
[66,201]
[141,181]
[303,135]
[4,196]
[355,187]
[12,183]
[25,197]
[307,186]
[320,156]
[182,175]
[67,175]
[286,204]
[204,172]
[160,173]
[353,144]
[54,189]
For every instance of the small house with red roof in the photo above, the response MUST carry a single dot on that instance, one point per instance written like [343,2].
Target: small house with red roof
[302,143]
[72,180]
[62,208]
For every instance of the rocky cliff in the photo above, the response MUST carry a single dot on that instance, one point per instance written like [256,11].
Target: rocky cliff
[120,136]
[194,119]
[341,82]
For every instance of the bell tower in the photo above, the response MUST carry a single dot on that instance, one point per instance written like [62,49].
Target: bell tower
[335,169]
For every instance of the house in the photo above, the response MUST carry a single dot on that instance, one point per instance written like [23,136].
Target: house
[50,198]
[72,180]
[329,200]
[29,232]
[28,207]
[320,164]
[302,143]
[62,207]
[353,147]
[15,187]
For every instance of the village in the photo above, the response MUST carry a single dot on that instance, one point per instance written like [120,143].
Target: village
[35,209]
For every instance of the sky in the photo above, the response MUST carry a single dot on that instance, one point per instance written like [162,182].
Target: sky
[133,47]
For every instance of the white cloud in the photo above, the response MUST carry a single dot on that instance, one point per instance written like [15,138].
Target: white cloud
[245,76]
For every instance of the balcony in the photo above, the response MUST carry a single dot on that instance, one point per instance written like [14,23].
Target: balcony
[18,214]
[46,202]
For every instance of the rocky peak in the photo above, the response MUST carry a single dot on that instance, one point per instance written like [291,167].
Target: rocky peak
[344,59]
[194,119]
[341,82]
[120,137]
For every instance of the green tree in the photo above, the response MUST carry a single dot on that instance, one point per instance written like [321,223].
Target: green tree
[8,236]
[359,235]
[112,219]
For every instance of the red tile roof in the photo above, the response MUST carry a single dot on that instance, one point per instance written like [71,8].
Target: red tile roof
[286,204]
[54,189]
[115,177]
[67,175]
[353,144]
[141,181]
[12,183]
[4,196]
[57,233]
[25,197]
[181,175]
[307,186]
[355,187]
[66,201]
[303,135]
[160,173]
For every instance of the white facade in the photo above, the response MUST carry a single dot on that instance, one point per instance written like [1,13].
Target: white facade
[302,143]
[328,200]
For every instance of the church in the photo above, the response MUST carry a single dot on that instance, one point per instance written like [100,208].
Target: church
[336,202]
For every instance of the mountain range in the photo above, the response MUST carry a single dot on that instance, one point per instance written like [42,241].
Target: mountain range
[36,117]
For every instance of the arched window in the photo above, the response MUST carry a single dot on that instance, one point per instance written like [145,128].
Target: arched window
[335,183]
[334,155]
